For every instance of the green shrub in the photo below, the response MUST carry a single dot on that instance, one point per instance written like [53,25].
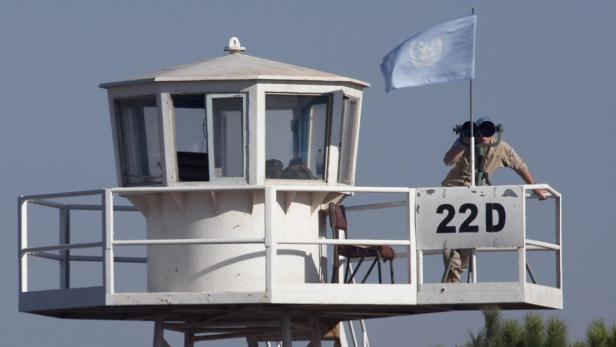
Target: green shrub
[556,333]
[597,334]
[534,330]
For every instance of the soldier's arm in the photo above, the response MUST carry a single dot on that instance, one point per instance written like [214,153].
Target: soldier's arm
[513,160]
[454,153]
[528,178]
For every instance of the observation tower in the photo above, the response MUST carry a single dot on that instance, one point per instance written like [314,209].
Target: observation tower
[232,172]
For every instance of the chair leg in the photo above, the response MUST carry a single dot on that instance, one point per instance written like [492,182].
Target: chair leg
[370,270]
[349,274]
[354,270]
[335,267]
[378,258]
[530,273]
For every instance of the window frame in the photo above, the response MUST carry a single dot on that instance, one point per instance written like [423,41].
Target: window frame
[326,148]
[121,141]
[349,137]
[210,137]
[173,153]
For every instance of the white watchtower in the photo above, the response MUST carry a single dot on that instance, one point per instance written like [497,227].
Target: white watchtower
[214,133]
[235,162]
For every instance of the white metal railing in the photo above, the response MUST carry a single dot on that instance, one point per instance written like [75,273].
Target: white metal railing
[529,244]
[270,240]
[108,242]
[533,245]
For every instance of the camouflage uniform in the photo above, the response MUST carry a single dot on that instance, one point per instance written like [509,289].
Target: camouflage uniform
[501,155]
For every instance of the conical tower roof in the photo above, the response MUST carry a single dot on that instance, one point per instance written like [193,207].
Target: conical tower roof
[236,66]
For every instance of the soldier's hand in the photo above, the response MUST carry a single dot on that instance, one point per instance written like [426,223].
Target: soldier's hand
[541,194]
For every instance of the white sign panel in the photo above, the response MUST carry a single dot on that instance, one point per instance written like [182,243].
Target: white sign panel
[465,217]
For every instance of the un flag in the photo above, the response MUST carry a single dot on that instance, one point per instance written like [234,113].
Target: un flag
[440,54]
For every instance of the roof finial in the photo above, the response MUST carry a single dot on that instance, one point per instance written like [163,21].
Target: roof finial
[234,46]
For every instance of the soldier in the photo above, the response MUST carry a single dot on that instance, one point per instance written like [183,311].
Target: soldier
[491,153]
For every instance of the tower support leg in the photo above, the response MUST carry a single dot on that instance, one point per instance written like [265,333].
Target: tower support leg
[285,327]
[189,339]
[317,335]
[159,333]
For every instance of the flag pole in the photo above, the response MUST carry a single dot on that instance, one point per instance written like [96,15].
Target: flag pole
[471,126]
[472,257]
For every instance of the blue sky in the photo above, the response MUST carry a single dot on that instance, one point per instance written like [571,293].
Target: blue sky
[544,69]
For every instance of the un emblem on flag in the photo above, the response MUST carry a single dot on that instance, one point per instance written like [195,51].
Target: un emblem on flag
[426,52]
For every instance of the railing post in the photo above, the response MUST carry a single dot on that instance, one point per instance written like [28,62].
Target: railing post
[522,266]
[474,266]
[412,263]
[22,220]
[65,238]
[559,235]
[270,241]
[340,275]
[522,250]
[108,277]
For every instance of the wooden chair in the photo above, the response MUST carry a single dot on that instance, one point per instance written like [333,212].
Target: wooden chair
[338,223]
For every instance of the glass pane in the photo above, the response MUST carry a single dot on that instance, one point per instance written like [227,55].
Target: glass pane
[295,136]
[347,140]
[336,138]
[228,129]
[191,137]
[140,140]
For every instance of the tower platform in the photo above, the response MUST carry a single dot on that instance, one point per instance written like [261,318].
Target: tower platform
[330,301]
[93,303]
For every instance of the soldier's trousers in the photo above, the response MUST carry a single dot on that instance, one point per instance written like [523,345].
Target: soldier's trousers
[459,262]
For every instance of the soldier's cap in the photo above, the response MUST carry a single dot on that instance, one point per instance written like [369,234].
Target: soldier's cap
[482,120]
